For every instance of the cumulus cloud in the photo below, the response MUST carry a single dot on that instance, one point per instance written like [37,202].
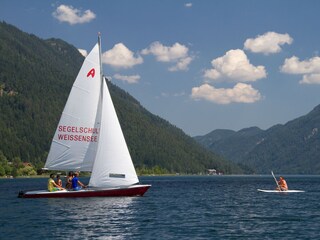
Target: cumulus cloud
[83,52]
[166,54]
[310,69]
[129,79]
[294,66]
[240,93]
[235,66]
[188,5]
[182,64]
[72,15]
[177,54]
[267,43]
[121,57]
[310,79]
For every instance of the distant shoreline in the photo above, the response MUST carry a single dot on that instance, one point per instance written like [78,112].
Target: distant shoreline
[146,175]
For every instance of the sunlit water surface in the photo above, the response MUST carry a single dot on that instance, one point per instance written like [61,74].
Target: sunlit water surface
[208,207]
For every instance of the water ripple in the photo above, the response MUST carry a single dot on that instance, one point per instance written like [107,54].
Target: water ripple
[174,208]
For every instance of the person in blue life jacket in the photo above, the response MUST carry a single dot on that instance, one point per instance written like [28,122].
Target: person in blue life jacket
[75,181]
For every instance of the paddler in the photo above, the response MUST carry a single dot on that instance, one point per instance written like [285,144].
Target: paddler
[282,184]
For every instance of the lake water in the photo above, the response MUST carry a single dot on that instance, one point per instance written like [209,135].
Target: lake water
[208,207]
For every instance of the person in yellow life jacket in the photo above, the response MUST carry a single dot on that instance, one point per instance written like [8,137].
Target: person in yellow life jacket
[282,184]
[52,186]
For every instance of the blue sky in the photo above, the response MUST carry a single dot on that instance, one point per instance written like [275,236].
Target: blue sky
[201,65]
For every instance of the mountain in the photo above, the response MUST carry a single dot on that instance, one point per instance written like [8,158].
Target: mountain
[35,76]
[221,141]
[292,148]
[35,79]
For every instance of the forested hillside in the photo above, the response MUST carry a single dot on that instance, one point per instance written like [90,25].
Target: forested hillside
[35,76]
[35,79]
[231,144]
[292,148]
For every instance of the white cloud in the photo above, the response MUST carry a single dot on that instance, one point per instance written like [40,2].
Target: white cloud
[166,54]
[121,57]
[240,93]
[310,79]
[294,66]
[310,69]
[188,5]
[182,64]
[129,79]
[177,53]
[72,15]
[235,66]
[83,52]
[267,43]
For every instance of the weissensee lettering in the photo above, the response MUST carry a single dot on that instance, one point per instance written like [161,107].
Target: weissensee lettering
[74,129]
[78,134]
[77,138]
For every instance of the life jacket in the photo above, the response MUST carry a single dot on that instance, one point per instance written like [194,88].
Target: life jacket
[51,185]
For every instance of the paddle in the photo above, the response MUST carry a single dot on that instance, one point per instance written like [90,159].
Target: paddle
[276,181]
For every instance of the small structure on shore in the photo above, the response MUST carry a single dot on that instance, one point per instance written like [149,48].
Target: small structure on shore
[212,171]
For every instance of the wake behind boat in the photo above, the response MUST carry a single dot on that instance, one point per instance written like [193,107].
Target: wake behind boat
[89,138]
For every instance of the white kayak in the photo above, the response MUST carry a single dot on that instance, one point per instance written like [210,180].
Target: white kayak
[277,191]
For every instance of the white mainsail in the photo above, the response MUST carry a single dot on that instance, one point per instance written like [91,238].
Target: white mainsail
[89,135]
[76,138]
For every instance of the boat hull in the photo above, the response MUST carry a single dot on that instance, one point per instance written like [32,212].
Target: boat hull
[131,191]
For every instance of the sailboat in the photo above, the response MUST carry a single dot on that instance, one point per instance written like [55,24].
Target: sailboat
[89,138]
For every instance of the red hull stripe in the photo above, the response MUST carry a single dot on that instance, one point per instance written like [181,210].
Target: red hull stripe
[121,192]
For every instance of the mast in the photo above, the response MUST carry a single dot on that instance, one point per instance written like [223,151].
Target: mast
[101,70]
[100,60]
[113,166]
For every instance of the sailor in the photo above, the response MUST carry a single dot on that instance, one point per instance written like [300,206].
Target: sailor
[52,186]
[282,184]
[58,181]
[69,181]
[75,181]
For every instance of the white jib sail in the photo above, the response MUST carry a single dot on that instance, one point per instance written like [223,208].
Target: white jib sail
[76,138]
[113,165]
